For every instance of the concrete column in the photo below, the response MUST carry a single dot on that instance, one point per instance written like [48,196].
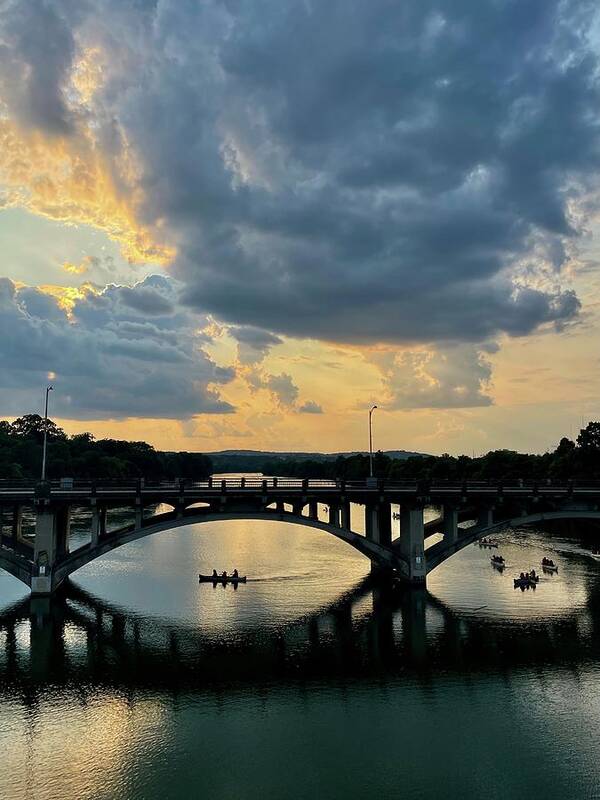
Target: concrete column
[378,523]
[17,522]
[371,523]
[62,517]
[384,523]
[485,516]
[313,510]
[280,506]
[95,526]
[139,512]
[345,517]
[297,509]
[45,551]
[98,529]
[334,515]
[412,542]
[450,524]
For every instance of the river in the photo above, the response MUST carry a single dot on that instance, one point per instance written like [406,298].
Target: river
[137,682]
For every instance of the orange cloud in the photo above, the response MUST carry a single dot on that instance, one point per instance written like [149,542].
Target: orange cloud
[68,179]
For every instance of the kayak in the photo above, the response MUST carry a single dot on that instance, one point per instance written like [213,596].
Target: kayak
[219,579]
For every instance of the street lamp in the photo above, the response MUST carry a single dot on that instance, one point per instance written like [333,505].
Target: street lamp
[371,441]
[48,390]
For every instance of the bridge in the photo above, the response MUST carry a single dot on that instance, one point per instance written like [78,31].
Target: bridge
[394,541]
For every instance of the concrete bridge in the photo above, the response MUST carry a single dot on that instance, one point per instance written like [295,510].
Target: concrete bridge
[393,541]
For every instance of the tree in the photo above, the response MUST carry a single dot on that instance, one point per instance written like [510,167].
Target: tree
[31,426]
[589,437]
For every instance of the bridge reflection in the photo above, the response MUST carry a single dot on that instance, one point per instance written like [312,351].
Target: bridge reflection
[376,631]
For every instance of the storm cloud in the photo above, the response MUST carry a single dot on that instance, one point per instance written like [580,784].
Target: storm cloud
[109,359]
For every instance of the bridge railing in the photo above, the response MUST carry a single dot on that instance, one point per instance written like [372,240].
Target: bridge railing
[259,483]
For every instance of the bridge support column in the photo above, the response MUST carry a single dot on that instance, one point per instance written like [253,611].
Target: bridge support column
[378,523]
[485,516]
[139,512]
[345,518]
[412,542]
[45,551]
[334,515]
[313,510]
[62,517]
[280,506]
[450,524]
[98,524]
[17,523]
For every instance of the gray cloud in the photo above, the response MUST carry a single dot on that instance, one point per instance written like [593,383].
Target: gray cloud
[310,407]
[253,344]
[449,377]
[109,360]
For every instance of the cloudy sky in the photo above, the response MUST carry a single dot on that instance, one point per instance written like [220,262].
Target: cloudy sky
[240,223]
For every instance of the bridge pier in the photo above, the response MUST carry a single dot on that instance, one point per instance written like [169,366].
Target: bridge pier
[450,523]
[52,527]
[485,516]
[313,510]
[412,542]
[345,520]
[98,528]
[334,515]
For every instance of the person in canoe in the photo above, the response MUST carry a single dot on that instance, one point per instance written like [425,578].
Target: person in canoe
[224,575]
[215,576]
[532,575]
[235,574]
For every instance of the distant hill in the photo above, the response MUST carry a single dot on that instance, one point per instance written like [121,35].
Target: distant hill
[251,460]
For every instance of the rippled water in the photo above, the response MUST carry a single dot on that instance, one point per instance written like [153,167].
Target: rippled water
[137,682]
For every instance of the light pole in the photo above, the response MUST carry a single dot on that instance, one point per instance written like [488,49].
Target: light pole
[48,390]
[371,441]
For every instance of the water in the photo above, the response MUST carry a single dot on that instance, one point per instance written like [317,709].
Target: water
[306,682]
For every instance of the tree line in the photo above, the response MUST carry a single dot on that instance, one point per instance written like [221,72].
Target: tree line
[84,457]
[578,459]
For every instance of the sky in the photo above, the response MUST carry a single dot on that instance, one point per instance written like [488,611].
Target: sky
[234,224]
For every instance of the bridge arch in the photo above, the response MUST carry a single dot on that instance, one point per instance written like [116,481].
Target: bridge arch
[378,554]
[442,551]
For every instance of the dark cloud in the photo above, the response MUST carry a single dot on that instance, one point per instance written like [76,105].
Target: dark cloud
[253,344]
[107,360]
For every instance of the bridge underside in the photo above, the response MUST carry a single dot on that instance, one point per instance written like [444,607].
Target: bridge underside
[46,563]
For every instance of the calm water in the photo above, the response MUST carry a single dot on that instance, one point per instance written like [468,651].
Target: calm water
[307,682]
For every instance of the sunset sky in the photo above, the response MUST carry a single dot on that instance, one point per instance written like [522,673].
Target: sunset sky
[240,223]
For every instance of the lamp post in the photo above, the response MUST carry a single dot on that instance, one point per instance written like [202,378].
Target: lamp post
[48,390]
[371,441]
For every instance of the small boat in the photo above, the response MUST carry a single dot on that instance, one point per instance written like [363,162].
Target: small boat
[499,563]
[220,579]
[550,567]
[524,583]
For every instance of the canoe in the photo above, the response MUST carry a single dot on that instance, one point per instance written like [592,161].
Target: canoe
[219,579]
[499,564]
[523,583]
[550,567]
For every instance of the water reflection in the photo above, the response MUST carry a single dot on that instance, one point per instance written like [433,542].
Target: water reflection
[77,640]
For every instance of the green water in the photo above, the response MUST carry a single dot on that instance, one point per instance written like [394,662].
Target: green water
[136,682]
